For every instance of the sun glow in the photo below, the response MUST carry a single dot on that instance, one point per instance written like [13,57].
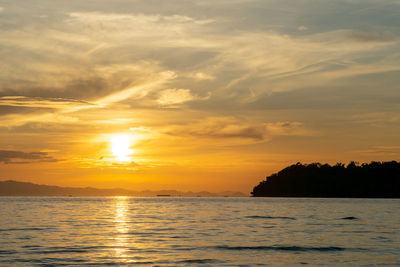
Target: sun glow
[120,147]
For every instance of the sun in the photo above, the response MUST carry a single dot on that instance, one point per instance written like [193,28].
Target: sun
[120,147]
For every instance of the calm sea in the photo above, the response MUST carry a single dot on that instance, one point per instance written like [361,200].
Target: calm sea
[164,231]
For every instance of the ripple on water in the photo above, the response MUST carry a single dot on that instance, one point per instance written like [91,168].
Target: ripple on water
[286,248]
[349,218]
[198,232]
[271,217]
[8,252]
[200,261]
[26,229]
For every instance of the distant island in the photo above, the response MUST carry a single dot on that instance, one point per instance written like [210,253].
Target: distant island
[368,180]
[15,188]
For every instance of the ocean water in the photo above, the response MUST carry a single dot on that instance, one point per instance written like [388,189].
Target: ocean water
[166,231]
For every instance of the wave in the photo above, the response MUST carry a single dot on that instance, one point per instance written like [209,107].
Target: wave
[200,261]
[66,249]
[61,251]
[349,218]
[284,248]
[70,262]
[271,217]
[25,229]
[162,229]
[32,247]
[7,252]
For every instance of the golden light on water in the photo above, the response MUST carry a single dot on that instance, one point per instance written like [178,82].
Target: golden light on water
[121,225]
[120,147]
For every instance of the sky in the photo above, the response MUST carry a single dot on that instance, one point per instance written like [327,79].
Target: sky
[194,95]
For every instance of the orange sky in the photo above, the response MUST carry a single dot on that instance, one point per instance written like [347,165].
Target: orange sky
[194,95]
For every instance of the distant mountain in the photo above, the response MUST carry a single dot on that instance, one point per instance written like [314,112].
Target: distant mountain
[15,188]
[373,180]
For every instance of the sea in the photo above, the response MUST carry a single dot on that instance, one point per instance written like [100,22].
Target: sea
[199,231]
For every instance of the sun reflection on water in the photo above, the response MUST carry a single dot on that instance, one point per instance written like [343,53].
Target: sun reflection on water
[122,228]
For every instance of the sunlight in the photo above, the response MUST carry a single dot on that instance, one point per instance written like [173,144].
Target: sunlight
[121,227]
[120,147]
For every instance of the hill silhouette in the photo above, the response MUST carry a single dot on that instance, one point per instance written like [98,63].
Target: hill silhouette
[373,180]
[15,188]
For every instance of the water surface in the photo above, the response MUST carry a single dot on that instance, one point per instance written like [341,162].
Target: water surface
[46,231]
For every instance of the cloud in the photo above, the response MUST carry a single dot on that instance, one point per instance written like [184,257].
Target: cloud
[41,102]
[116,29]
[288,128]
[115,19]
[171,97]
[117,56]
[233,128]
[220,128]
[13,120]
[185,19]
[377,118]
[120,57]
[19,157]
[371,36]
[138,91]
[119,83]
[386,151]
[201,76]
[22,110]
[79,83]
[273,55]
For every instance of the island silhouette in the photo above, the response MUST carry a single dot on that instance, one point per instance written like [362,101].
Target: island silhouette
[17,188]
[367,180]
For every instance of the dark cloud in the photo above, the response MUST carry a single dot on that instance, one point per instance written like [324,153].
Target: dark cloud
[221,130]
[229,128]
[5,110]
[31,101]
[90,85]
[330,97]
[19,157]
[371,36]
[251,132]
[11,104]
[321,16]
[82,89]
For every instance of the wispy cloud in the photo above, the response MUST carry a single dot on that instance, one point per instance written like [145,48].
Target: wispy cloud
[226,128]
[101,44]
[221,128]
[377,118]
[174,97]
[41,102]
[170,97]
[386,151]
[201,76]
[137,91]
[288,128]
[19,157]
[14,120]
[372,36]
[158,30]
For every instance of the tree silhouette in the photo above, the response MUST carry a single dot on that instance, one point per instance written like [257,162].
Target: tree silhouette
[373,180]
